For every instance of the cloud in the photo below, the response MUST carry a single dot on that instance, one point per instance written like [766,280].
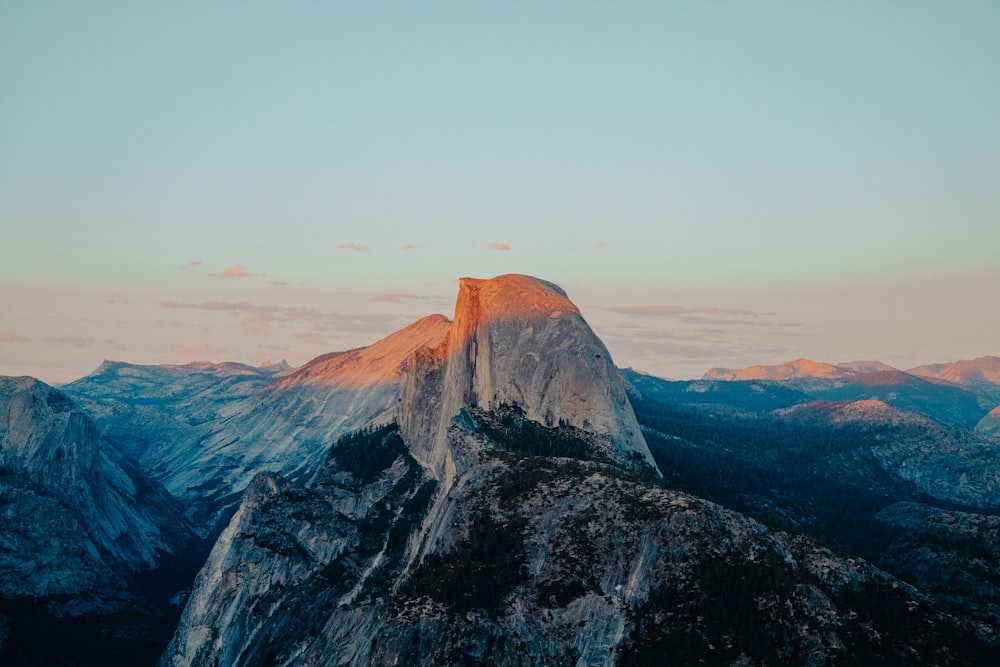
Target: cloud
[279,283]
[675,310]
[236,271]
[399,297]
[497,245]
[413,246]
[194,263]
[601,245]
[263,316]
[84,342]
[9,337]
[356,247]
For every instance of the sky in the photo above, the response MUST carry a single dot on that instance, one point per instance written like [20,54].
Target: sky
[714,184]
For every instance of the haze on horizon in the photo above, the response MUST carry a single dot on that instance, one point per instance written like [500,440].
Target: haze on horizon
[713,185]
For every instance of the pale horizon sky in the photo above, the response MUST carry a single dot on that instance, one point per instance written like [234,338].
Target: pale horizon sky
[714,184]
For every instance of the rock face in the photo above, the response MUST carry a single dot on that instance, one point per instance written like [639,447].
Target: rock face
[74,518]
[944,461]
[990,424]
[517,340]
[533,560]
[207,429]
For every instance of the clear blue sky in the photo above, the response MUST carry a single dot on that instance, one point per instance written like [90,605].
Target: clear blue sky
[768,180]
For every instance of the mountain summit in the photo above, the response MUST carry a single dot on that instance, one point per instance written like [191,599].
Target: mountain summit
[519,341]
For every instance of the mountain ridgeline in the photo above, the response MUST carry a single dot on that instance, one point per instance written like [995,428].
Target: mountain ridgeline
[492,490]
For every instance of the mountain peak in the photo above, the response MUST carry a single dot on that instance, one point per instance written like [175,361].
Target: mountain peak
[513,296]
[799,368]
[964,372]
[518,341]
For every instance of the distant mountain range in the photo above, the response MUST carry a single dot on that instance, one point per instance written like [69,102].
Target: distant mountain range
[491,489]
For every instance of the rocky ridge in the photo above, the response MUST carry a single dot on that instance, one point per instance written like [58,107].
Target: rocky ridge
[205,430]
[76,517]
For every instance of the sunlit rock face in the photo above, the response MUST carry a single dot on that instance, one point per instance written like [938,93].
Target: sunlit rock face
[519,341]
[74,518]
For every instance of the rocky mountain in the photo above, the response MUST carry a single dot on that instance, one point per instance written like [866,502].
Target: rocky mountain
[538,560]
[519,341]
[990,423]
[800,368]
[74,515]
[862,380]
[966,371]
[866,366]
[78,527]
[981,375]
[511,513]
[205,430]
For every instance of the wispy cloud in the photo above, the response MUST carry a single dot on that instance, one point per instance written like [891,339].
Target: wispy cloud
[674,310]
[194,263]
[84,342]
[263,316]
[413,246]
[356,247]
[400,297]
[10,337]
[498,245]
[601,245]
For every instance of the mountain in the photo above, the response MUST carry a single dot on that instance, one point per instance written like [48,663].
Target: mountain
[968,371]
[80,528]
[206,430]
[75,516]
[511,513]
[519,341]
[981,375]
[990,423]
[865,366]
[149,411]
[800,368]
[862,380]
[752,395]
[945,461]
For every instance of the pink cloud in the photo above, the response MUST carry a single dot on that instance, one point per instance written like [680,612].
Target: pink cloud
[412,246]
[601,244]
[396,297]
[640,310]
[9,337]
[236,271]
[356,247]
[497,245]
